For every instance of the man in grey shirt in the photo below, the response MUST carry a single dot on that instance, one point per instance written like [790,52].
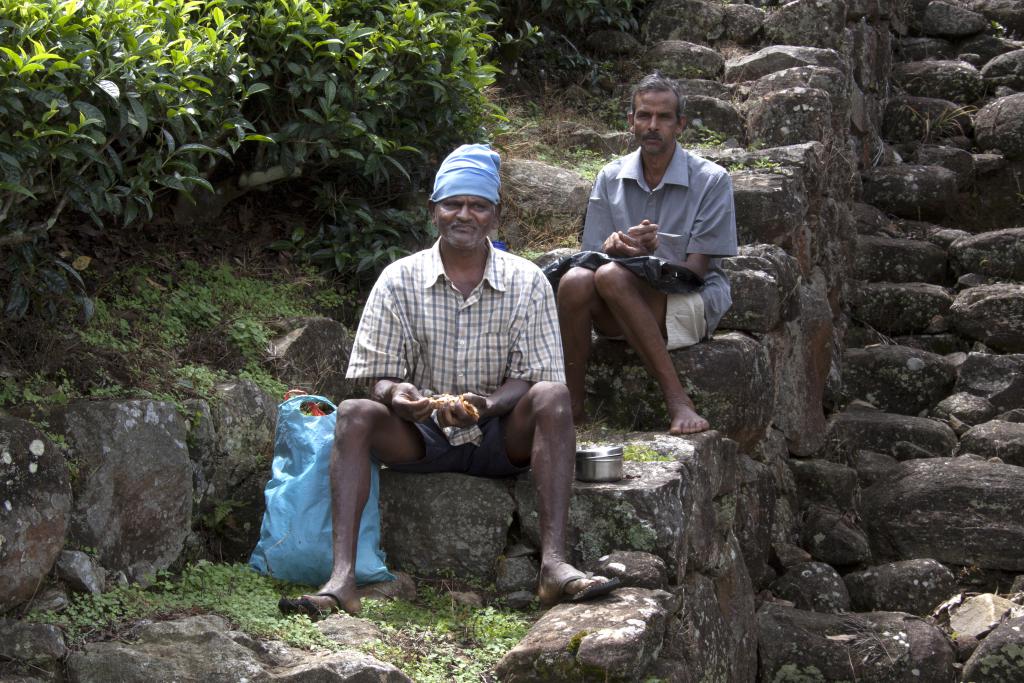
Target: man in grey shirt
[663,201]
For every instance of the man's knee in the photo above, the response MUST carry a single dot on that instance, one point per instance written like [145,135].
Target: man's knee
[549,398]
[611,278]
[357,415]
[576,286]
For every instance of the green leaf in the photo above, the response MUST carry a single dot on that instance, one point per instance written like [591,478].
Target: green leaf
[258,138]
[110,88]
[17,189]
[18,61]
[256,88]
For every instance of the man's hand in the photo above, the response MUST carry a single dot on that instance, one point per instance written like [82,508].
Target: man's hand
[407,402]
[457,414]
[639,240]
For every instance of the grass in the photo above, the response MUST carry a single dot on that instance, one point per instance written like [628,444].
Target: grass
[433,639]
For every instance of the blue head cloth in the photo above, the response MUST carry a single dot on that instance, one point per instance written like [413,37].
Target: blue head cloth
[469,170]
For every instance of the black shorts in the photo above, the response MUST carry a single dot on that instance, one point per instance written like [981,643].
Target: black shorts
[489,459]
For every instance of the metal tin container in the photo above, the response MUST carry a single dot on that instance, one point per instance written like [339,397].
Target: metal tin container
[599,463]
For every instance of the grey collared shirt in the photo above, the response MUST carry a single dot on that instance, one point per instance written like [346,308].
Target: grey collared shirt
[417,327]
[693,200]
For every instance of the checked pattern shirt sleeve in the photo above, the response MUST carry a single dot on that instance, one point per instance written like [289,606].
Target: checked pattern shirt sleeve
[382,344]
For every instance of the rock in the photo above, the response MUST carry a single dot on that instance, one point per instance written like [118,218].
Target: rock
[402,588]
[902,308]
[910,190]
[347,665]
[965,408]
[790,116]
[727,377]
[51,599]
[614,143]
[754,518]
[827,79]
[959,161]
[951,21]
[133,493]
[832,537]
[952,80]
[918,48]
[993,315]
[37,647]
[680,59]
[977,615]
[813,586]
[692,20]
[712,638]
[764,281]
[1000,379]
[234,468]
[633,568]
[312,353]
[988,46]
[615,638]
[996,439]
[542,192]
[998,657]
[611,43]
[998,254]
[35,506]
[818,23]
[1006,69]
[701,87]
[856,430]
[776,58]
[912,586]
[879,646]
[743,23]
[516,574]
[923,119]
[349,631]
[896,378]
[433,524]
[1008,13]
[885,259]
[80,572]
[770,207]
[826,483]
[956,510]
[648,511]
[872,467]
[713,114]
[1000,125]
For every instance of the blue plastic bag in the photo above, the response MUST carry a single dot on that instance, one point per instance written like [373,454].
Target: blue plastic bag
[295,538]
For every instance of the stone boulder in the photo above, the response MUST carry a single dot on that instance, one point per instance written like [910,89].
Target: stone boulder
[231,439]
[950,20]
[817,23]
[912,586]
[900,436]
[798,645]
[918,48]
[988,46]
[764,281]
[812,586]
[923,119]
[828,79]
[896,378]
[901,308]
[910,190]
[613,638]
[998,657]
[754,517]
[312,353]
[35,509]
[1009,13]
[433,524]
[824,482]
[790,116]
[834,537]
[80,572]
[541,192]
[952,80]
[612,43]
[633,568]
[965,410]
[133,493]
[34,649]
[998,254]
[958,511]
[1006,69]
[999,379]
[778,57]
[696,21]
[959,161]
[887,259]
[993,315]
[680,59]
[743,23]
[1000,125]
[770,208]
[996,439]
[713,114]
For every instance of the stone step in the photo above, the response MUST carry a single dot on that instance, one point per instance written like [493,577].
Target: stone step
[899,436]
[888,259]
[896,378]
[997,254]
[901,308]
[911,190]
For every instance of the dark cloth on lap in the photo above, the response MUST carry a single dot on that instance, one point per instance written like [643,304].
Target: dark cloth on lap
[489,459]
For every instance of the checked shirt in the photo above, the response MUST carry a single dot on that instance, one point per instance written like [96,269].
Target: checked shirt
[418,328]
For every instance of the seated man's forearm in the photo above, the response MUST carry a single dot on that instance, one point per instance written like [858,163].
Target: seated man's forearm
[505,398]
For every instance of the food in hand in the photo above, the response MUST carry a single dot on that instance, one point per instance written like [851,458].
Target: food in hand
[443,400]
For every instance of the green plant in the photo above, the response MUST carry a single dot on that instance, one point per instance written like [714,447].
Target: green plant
[643,453]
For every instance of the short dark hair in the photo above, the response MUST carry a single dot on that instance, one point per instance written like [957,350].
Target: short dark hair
[655,82]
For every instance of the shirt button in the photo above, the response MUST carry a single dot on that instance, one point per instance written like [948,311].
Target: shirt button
[462,342]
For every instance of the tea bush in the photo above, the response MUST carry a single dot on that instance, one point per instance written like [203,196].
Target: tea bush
[110,105]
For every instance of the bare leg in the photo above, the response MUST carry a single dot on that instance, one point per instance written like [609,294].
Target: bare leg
[578,304]
[539,431]
[639,311]
[362,424]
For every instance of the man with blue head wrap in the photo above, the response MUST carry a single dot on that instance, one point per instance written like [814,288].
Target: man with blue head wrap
[460,343]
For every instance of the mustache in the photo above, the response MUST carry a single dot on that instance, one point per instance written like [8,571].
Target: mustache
[652,136]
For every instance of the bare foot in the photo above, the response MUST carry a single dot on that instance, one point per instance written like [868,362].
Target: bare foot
[562,581]
[685,420]
[323,603]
